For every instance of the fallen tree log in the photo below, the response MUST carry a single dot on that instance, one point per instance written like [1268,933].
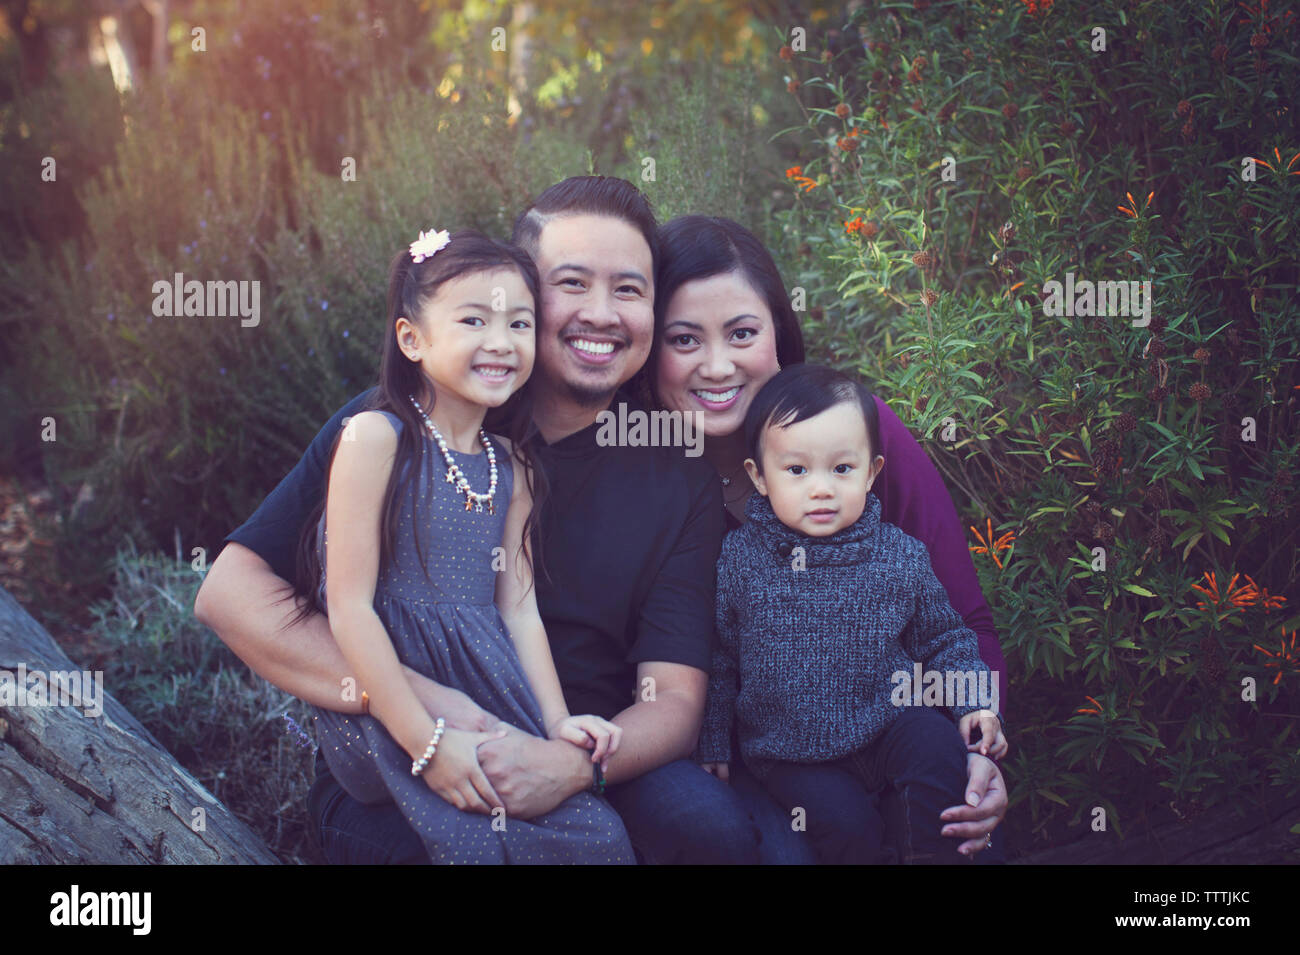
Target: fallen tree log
[87,787]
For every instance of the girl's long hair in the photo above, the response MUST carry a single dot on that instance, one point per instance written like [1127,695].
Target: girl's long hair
[410,286]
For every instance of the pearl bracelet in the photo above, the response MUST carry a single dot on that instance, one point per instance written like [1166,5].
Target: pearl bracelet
[418,765]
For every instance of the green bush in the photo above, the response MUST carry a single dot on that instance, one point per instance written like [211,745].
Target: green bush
[239,735]
[1060,435]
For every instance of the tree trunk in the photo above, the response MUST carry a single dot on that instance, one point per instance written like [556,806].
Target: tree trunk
[94,789]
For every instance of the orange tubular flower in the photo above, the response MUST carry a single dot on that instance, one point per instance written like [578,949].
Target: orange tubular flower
[1265,599]
[1233,597]
[984,547]
[1132,210]
[1278,156]
[1089,709]
[853,225]
[1286,656]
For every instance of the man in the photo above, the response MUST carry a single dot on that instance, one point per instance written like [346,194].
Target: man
[629,539]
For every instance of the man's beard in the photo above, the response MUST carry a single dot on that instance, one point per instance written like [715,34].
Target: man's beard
[587,397]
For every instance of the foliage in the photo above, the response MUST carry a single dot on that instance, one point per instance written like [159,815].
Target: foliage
[1069,434]
[231,729]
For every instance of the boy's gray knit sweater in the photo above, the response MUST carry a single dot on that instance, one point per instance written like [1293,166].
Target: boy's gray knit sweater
[805,657]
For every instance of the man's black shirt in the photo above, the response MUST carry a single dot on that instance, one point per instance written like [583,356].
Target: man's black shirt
[630,537]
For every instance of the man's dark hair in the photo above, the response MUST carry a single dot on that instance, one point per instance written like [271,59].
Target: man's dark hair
[587,195]
[799,392]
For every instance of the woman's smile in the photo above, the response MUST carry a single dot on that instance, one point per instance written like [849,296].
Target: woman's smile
[717,399]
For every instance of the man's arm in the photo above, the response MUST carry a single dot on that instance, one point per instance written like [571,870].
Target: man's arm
[672,654]
[241,599]
[243,594]
[663,725]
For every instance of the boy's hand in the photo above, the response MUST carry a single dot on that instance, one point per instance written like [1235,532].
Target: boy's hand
[993,742]
[590,732]
[720,770]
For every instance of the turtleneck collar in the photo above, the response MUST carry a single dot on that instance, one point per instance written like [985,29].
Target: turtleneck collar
[848,545]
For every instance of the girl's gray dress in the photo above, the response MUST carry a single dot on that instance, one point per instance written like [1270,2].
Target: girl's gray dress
[446,626]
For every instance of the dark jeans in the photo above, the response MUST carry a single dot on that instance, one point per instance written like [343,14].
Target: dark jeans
[677,813]
[920,757]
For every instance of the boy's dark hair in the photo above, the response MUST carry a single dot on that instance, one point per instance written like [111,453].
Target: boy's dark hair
[799,392]
[410,286]
[588,195]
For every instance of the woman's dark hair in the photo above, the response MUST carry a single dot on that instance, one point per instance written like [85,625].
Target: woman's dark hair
[799,392]
[700,247]
[587,195]
[410,286]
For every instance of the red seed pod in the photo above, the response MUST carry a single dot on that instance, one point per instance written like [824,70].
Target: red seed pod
[842,110]
[1010,110]
[785,53]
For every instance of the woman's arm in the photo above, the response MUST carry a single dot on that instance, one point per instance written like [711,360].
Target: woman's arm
[353,526]
[914,498]
[516,599]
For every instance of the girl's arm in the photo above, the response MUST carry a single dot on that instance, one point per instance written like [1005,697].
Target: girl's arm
[353,522]
[516,599]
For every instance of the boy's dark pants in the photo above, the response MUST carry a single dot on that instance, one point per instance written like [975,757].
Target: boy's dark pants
[920,757]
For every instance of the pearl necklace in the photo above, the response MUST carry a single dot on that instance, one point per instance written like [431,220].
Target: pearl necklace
[454,474]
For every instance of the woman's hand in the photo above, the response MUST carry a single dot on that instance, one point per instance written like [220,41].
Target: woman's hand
[986,804]
[455,775]
[721,770]
[993,743]
[590,732]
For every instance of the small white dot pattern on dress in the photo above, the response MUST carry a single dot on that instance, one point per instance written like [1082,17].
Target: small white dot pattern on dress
[445,625]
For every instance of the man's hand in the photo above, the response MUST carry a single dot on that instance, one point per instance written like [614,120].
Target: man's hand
[986,798]
[533,775]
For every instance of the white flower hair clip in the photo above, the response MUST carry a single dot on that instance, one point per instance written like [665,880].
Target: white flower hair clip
[428,243]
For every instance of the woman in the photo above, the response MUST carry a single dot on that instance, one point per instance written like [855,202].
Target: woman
[723,327]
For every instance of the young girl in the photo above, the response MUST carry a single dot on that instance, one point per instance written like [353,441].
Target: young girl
[421,560]
[820,608]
